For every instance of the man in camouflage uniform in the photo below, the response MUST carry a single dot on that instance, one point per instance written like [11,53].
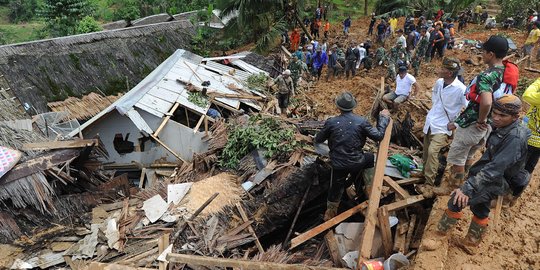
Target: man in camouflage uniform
[420,51]
[295,66]
[398,56]
[379,55]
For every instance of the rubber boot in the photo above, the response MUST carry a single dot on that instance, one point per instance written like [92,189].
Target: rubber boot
[477,229]
[331,210]
[448,220]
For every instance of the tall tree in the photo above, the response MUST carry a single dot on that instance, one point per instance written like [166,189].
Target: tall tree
[63,16]
[261,21]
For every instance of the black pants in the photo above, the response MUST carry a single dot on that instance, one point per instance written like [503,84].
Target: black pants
[533,154]
[439,48]
[350,66]
[283,101]
[340,181]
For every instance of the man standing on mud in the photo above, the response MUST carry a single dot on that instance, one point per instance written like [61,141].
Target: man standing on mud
[346,135]
[285,89]
[494,174]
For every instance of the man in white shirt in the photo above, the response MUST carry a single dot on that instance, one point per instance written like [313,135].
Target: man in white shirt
[362,53]
[448,99]
[405,85]
[401,38]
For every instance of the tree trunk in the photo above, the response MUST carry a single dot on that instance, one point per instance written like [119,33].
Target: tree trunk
[302,25]
[365,6]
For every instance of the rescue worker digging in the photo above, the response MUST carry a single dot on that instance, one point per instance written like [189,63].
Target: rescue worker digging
[497,170]
[346,135]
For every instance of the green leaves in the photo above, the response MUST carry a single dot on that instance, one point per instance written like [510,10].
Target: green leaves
[260,132]
[198,99]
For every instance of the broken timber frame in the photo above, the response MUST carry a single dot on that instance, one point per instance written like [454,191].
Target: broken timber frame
[238,264]
[364,251]
[59,145]
[166,119]
[327,225]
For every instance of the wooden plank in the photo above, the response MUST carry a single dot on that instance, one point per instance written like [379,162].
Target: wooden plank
[141,180]
[199,123]
[532,70]
[410,232]
[404,203]
[38,164]
[364,250]
[497,213]
[522,59]
[166,119]
[58,145]
[399,239]
[167,148]
[330,240]
[327,225]
[386,233]
[113,266]
[250,228]
[163,243]
[396,187]
[213,262]
[409,181]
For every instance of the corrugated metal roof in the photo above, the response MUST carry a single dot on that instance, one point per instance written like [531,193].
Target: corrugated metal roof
[163,87]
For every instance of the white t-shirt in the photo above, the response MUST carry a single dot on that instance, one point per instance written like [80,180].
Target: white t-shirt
[403,86]
[362,52]
[447,103]
[403,40]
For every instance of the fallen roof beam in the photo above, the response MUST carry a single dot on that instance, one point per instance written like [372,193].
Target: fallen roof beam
[364,250]
[404,203]
[58,145]
[238,264]
[396,187]
[327,225]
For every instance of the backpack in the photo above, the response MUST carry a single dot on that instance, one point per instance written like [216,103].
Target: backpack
[508,85]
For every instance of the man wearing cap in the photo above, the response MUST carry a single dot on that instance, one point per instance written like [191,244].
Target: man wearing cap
[346,135]
[448,99]
[471,125]
[285,88]
[494,174]
[405,85]
[532,39]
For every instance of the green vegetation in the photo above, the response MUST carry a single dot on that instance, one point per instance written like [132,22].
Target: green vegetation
[260,132]
[198,99]
[88,25]
[257,82]
[426,7]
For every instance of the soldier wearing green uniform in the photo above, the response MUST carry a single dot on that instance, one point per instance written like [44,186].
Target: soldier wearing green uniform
[379,55]
[420,51]
[397,54]
[295,66]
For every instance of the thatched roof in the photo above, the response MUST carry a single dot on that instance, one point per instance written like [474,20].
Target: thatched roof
[83,108]
[11,110]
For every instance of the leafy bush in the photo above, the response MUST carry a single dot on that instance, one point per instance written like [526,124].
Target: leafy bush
[63,16]
[198,99]
[260,132]
[22,10]
[127,10]
[88,25]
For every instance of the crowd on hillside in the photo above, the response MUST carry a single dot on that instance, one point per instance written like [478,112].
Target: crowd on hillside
[486,113]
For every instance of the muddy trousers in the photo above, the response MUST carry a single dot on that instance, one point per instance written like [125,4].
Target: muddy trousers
[479,203]
[339,179]
[433,143]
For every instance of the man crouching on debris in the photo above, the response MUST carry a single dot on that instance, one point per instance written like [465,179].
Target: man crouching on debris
[346,135]
[499,168]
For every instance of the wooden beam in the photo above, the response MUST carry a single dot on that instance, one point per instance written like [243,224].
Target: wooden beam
[167,148]
[386,233]
[163,243]
[410,232]
[141,179]
[213,262]
[113,266]
[166,119]
[409,181]
[522,59]
[532,70]
[196,128]
[333,249]
[364,250]
[396,187]
[206,125]
[250,228]
[404,203]
[39,164]
[327,225]
[497,213]
[58,145]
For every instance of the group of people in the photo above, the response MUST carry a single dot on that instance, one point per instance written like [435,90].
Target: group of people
[463,118]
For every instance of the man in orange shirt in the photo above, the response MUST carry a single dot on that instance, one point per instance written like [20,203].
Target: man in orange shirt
[295,40]
[326,29]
